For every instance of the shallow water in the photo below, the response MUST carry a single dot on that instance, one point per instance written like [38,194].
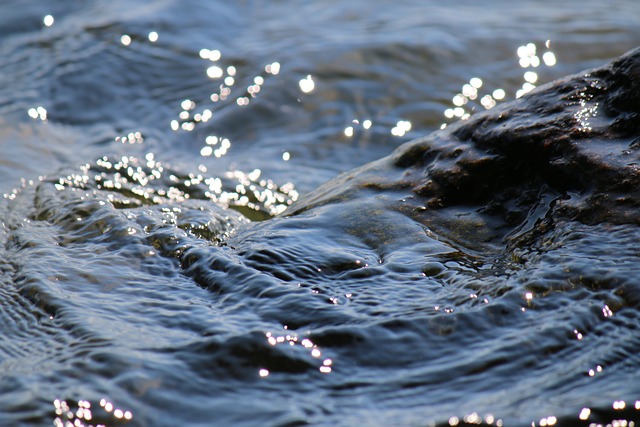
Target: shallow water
[146,281]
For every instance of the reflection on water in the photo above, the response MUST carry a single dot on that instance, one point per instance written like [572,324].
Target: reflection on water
[38,113]
[307,84]
[291,341]
[149,182]
[148,277]
[83,415]
[463,105]
[48,20]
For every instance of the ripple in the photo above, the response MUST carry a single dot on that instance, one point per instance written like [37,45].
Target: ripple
[167,274]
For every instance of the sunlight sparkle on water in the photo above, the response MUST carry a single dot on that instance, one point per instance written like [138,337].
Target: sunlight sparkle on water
[597,370]
[262,195]
[130,138]
[459,100]
[549,59]
[529,58]
[464,101]
[488,102]
[531,76]
[38,113]
[548,421]
[472,418]
[619,404]
[187,104]
[211,55]
[584,115]
[214,72]
[348,131]
[66,416]
[584,414]
[293,341]
[402,127]
[273,68]
[189,118]
[469,92]
[307,84]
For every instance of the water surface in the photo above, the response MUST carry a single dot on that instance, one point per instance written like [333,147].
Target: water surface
[144,281]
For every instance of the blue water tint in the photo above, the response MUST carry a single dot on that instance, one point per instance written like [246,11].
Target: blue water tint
[153,272]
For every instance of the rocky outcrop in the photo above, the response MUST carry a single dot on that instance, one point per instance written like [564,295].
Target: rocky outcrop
[569,150]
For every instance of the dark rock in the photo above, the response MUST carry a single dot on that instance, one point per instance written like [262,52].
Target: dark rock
[566,151]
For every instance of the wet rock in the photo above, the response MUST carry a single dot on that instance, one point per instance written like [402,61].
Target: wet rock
[569,150]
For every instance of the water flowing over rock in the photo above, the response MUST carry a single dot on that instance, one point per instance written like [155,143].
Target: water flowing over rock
[570,150]
[485,273]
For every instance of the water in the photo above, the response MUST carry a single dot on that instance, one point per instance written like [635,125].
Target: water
[145,282]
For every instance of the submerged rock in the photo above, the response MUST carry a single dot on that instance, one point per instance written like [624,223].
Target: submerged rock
[490,268]
[569,150]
